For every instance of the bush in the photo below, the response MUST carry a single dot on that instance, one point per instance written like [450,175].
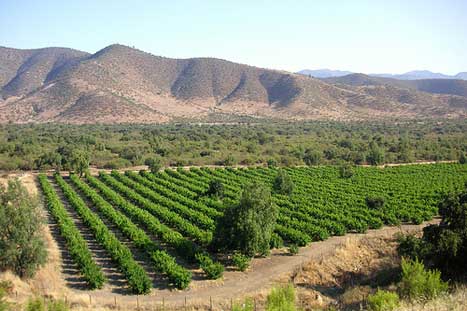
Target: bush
[22,248]
[39,304]
[247,305]
[276,241]
[5,288]
[293,249]
[345,171]
[283,183]
[281,299]
[241,261]
[216,189]
[383,301]
[35,304]
[375,202]
[418,283]
[154,164]
[213,270]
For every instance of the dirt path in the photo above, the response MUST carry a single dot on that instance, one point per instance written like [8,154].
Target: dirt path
[263,273]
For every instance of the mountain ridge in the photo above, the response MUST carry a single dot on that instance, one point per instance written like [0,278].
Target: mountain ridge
[120,84]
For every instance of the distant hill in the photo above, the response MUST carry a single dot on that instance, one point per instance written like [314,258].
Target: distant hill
[324,73]
[434,86]
[119,84]
[411,75]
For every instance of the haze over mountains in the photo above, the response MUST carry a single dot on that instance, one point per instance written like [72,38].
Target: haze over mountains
[411,75]
[119,84]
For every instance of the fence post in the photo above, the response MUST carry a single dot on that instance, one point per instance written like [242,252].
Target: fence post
[115,301]
[185,303]
[163,303]
[90,301]
[254,303]
[231,304]
[210,303]
[137,302]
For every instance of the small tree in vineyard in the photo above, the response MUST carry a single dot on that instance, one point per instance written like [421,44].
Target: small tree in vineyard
[248,225]
[283,184]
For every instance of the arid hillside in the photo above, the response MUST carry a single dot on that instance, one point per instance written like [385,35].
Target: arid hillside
[119,84]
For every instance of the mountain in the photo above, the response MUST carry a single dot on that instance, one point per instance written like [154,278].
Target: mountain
[324,73]
[119,84]
[434,86]
[411,75]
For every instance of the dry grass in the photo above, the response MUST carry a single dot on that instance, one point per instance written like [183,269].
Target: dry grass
[455,301]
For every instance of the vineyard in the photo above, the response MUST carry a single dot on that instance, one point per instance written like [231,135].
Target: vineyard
[169,218]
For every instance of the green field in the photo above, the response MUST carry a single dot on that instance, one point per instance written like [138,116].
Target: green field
[168,216]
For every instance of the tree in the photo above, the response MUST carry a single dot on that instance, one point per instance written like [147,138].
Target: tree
[154,164]
[345,171]
[22,247]
[312,157]
[248,225]
[375,156]
[216,189]
[79,161]
[283,184]
[374,202]
[443,246]
[462,158]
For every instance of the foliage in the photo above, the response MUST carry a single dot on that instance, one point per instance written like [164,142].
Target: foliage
[443,246]
[462,158]
[154,164]
[138,280]
[346,171]
[281,299]
[383,301]
[216,189]
[5,288]
[22,247]
[241,261]
[283,184]
[312,157]
[248,225]
[293,249]
[40,304]
[76,245]
[276,241]
[375,155]
[79,161]
[247,305]
[418,283]
[213,270]
[375,202]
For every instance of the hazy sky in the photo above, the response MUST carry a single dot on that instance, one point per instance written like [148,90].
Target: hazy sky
[363,36]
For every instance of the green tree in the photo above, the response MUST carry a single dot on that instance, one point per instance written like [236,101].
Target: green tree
[312,157]
[79,161]
[462,158]
[154,164]
[248,225]
[375,155]
[216,189]
[283,184]
[22,247]
[345,171]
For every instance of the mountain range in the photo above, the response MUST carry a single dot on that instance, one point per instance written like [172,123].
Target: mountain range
[411,75]
[119,84]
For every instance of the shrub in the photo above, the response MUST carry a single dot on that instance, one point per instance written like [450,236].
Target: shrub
[247,305]
[216,189]
[418,283]
[154,164]
[345,171]
[281,299]
[462,158]
[375,202]
[35,304]
[383,301]
[213,270]
[241,261]
[283,183]
[293,249]
[5,288]
[22,247]
[276,241]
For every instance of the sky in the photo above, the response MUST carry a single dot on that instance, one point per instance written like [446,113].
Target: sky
[391,36]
